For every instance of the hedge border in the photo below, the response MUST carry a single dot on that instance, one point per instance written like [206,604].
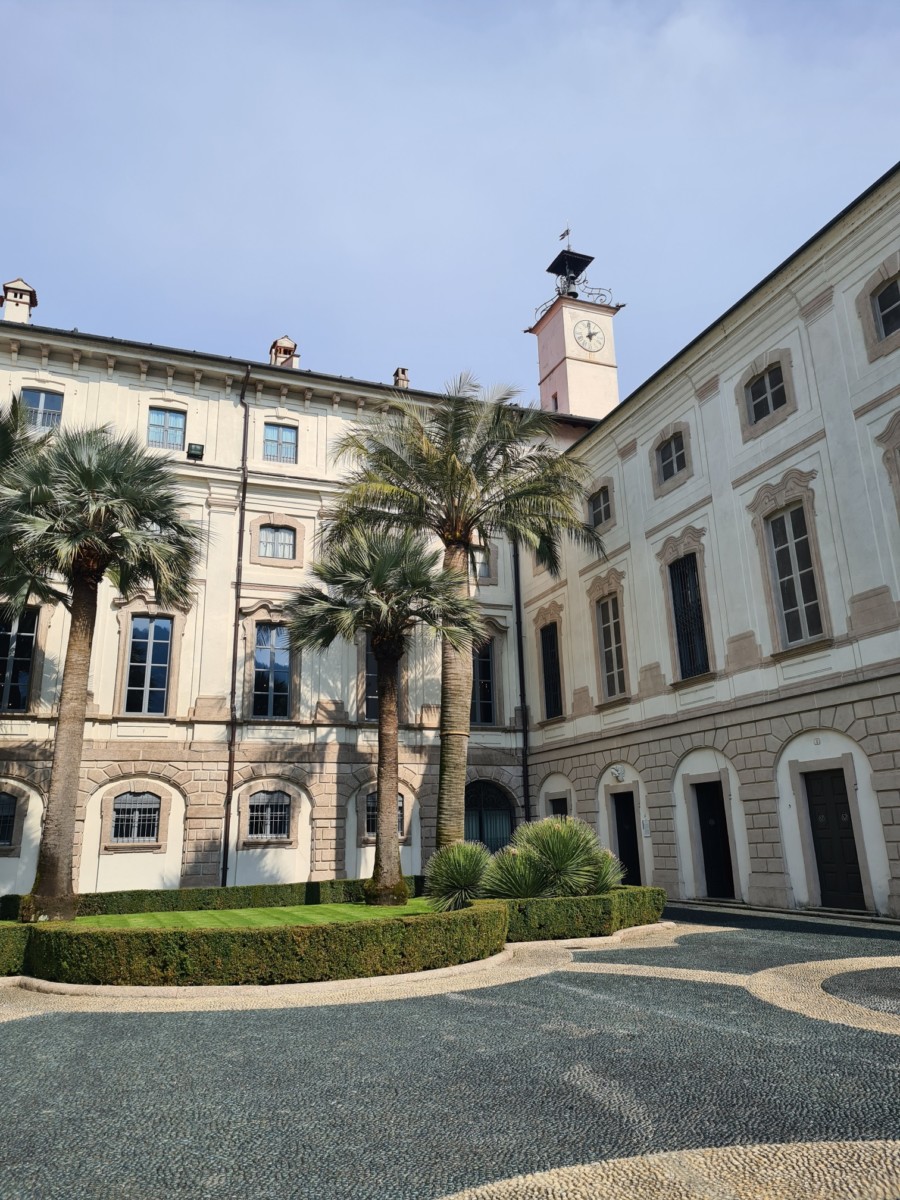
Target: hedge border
[583,916]
[257,895]
[67,953]
[13,943]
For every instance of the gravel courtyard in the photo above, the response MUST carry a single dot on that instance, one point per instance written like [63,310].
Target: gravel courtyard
[727,1056]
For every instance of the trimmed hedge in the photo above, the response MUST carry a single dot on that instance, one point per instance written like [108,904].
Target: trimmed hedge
[257,895]
[583,916]
[291,954]
[13,940]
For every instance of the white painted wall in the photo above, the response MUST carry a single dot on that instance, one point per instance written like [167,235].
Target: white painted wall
[271,864]
[126,870]
[17,874]
[360,860]
[709,762]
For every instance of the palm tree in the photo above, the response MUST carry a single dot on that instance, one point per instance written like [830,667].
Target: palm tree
[465,469]
[88,506]
[384,584]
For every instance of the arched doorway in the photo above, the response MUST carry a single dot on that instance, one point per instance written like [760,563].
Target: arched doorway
[489,815]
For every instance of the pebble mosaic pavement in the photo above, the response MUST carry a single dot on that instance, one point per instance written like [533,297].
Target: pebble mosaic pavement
[727,1056]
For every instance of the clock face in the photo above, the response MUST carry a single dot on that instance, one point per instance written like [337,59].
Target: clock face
[589,336]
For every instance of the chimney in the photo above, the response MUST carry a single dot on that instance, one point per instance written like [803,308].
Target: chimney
[19,298]
[283,353]
[401,378]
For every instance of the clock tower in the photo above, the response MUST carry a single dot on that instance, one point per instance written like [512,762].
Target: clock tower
[576,354]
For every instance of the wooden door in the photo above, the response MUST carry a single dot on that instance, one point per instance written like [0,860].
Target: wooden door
[627,836]
[714,840]
[832,834]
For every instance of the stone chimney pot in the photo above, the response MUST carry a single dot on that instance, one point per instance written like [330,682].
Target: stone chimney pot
[283,353]
[401,378]
[19,298]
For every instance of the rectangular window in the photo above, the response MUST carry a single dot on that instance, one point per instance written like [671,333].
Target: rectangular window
[559,806]
[17,638]
[687,608]
[43,410]
[280,443]
[148,665]
[484,567]
[801,617]
[372,815]
[611,657]
[601,509]
[271,672]
[552,683]
[7,818]
[887,309]
[766,393]
[671,457]
[165,429]
[136,817]
[269,817]
[371,701]
[277,541]
[482,711]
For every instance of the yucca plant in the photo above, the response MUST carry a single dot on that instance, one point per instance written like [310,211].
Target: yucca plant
[454,876]
[568,850]
[512,875]
[608,873]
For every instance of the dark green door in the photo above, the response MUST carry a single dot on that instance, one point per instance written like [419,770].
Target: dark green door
[714,840]
[627,836]
[832,834]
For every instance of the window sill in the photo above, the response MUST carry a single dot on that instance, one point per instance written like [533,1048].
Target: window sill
[370,841]
[143,718]
[616,702]
[678,685]
[803,648]
[549,721]
[10,851]
[134,848]
[268,844]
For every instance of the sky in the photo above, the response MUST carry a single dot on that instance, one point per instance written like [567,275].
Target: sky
[386,180]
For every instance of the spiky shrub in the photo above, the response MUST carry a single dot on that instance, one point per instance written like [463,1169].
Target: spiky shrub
[569,852]
[512,875]
[455,874]
[608,873]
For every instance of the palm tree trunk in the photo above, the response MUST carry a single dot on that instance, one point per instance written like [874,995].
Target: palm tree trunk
[53,895]
[456,703]
[387,885]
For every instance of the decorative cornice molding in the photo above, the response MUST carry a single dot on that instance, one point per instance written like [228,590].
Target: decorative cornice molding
[689,541]
[610,581]
[548,613]
[793,485]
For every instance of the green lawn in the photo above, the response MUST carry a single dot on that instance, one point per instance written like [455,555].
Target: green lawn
[260,918]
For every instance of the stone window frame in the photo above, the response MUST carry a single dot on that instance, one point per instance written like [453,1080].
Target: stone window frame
[602,481]
[689,541]
[550,614]
[663,488]
[180,410]
[402,687]
[286,522]
[38,651]
[266,614]
[876,345]
[267,783]
[55,386]
[492,578]
[602,588]
[797,768]
[143,606]
[751,429]
[170,402]
[365,790]
[497,632]
[695,849]
[889,438]
[770,500]
[23,799]
[123,787]
[548,804]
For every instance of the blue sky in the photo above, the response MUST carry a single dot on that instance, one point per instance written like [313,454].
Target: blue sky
[385,181]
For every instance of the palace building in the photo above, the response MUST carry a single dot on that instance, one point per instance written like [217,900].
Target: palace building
[719,696]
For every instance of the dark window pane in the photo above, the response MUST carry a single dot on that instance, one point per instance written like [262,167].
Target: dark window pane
[690,631]
[552,683]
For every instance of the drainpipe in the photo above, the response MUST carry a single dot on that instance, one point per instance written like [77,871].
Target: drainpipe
[238,581]
[523,698]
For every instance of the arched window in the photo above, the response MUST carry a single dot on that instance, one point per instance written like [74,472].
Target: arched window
[489,815]
[269,816]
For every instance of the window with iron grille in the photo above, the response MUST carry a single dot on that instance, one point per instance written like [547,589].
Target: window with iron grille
[601,508]
[482,711]
[671,457]
[165,429]
[552,682]
[558,805]
[7,818]
[43,410]
[371,702]
[887,309]
[271,671]
[277,541]
[280,443]
[148,665]
[270,816]
[795,579]
[136,817]
[17,638]
[687,610]
[766,394]
[372,814]
[612,659]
